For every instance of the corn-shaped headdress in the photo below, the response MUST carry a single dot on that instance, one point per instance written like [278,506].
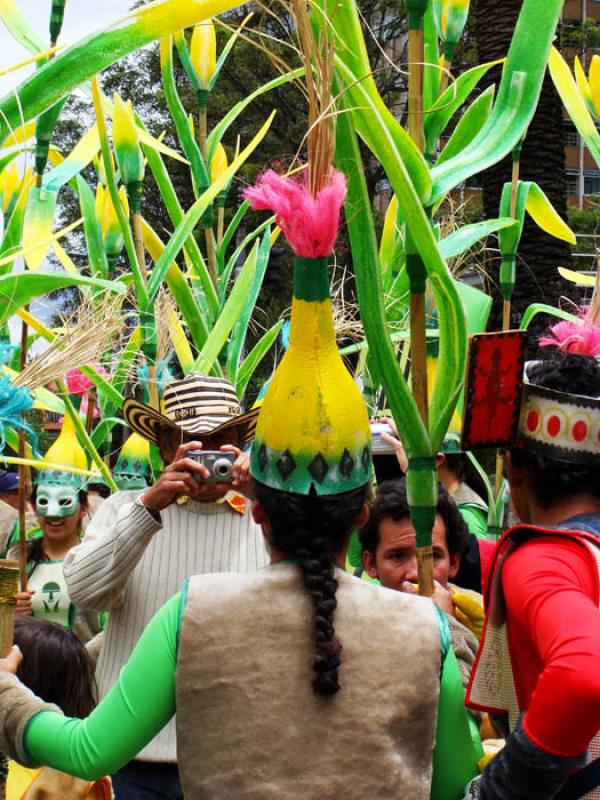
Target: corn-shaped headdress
[67,451]
[313,429]
[133,464]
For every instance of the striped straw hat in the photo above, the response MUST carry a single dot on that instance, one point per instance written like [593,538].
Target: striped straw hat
[196,404]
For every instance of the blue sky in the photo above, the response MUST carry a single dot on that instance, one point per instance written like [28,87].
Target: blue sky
[81,18]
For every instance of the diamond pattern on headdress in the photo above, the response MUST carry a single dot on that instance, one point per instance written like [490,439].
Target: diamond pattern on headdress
[366,459]
[318,468]
[286,464]
[346,464]
[262,457]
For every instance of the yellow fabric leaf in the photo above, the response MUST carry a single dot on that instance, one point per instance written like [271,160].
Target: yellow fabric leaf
[594,83]
[543,213]
[577,277]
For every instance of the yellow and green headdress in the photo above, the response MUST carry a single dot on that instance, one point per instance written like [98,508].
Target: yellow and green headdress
[313,430]
[67,451]
[57,491]
[133,465]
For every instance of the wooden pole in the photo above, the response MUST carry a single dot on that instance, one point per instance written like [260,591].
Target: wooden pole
[140,251]
[211,253]
[9,585]
[507,304]
[418,340]
[415,87]
[138,237]
[220,224]
[91,407]
[24,477]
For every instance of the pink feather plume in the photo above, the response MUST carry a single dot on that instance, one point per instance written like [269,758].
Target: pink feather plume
[310,224]
[581,338]
[79,384]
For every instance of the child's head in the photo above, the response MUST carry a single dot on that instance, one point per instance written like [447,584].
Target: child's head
[55,665]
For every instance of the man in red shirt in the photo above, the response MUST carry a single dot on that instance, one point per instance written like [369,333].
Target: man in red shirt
[538,668]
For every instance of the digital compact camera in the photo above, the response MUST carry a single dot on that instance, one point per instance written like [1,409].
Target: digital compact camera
[218,463]
[378,446]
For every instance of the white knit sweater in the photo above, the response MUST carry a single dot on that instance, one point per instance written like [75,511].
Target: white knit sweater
[130,565]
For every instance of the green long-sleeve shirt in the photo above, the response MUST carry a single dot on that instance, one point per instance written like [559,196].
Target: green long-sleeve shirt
[143,700]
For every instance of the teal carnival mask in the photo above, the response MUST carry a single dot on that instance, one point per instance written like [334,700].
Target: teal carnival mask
[56,500]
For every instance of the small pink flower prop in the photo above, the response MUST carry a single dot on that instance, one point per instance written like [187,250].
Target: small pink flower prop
[580,338]
[79,384]
[310,224]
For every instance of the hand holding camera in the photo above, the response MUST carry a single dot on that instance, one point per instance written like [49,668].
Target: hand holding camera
[202,475]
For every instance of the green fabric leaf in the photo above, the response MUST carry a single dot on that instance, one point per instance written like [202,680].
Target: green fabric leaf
[468,125]
[92,230]
[93,54]
[516,100]
[260,252]
[17,290]
[255,356]
[461,240]
[439,115]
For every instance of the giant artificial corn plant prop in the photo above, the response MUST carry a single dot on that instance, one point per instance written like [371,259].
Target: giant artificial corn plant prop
[210,314]
[420,184]
[207,325]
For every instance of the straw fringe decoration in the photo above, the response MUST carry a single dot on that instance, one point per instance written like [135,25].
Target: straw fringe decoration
[89,334]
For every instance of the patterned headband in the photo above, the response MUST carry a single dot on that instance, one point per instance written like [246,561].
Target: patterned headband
[559,425]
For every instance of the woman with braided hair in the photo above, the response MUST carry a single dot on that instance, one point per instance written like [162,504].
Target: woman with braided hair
[310,529]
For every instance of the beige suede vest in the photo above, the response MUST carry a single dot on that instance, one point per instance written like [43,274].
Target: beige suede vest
[250,727]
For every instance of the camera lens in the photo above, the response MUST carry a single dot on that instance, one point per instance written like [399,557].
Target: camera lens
[222,469]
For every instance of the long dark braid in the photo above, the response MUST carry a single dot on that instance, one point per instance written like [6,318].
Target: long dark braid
[311,529]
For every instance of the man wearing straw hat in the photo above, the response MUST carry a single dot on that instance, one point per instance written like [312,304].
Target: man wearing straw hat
[142,544]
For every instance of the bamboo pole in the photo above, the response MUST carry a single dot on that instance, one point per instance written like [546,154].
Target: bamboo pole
[9,585]
[220,224]
[91,407]
[135,193]
[24,476]
[211,253]
[418,342]
[417,276]
[507,303]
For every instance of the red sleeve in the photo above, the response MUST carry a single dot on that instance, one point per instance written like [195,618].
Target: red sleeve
[551,590]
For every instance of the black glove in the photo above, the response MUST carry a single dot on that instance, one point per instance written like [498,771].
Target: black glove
[523,771]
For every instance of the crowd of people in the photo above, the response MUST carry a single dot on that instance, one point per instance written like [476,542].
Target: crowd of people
[242,658]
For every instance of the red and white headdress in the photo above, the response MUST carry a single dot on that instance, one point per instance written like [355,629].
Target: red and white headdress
[553,423]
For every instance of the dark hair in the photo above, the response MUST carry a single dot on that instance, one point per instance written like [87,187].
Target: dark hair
[553,478]
[311,529]
[55,665]
[392,503]
[460,465]
[100,489]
